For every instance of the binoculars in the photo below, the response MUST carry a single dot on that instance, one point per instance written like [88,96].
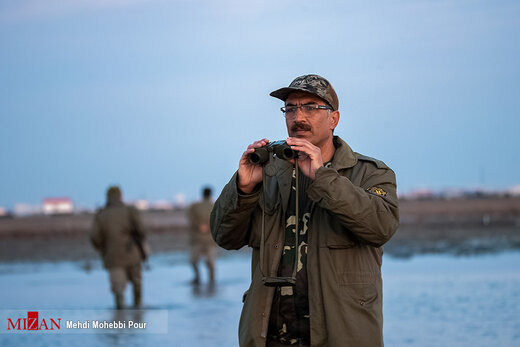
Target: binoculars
[279,148]
[260,156]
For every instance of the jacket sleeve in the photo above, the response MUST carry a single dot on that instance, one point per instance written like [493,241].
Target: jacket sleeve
[231,216]
[138,225]
[96,235]
[191,216]
[371,216]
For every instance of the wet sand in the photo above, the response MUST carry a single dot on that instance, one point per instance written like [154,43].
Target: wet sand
[56,238]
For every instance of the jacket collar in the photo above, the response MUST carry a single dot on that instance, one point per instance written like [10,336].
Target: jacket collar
[114,202]
[284,177]
[344,157]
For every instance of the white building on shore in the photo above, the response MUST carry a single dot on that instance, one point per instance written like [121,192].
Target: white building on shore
[57,206]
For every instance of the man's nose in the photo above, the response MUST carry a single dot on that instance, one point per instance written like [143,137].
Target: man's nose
[299,114]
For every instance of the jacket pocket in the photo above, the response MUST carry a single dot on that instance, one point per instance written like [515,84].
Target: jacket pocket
[363,294]
[273,227]
[356,277]
[270,198]
[337,236]
[268,203]
[360,286]
[255,228]
[335,241]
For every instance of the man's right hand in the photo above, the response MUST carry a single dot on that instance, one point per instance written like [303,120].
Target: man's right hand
[249,175]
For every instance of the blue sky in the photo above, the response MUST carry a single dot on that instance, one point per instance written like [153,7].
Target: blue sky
[162,97]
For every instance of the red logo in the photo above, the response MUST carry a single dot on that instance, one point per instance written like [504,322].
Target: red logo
[32,322]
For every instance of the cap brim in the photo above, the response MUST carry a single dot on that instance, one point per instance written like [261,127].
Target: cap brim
[283,93]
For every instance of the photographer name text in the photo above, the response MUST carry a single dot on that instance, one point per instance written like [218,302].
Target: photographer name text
[97,324]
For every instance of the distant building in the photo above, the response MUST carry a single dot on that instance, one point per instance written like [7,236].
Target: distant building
[22,210]
[420,193]
[57,206]
[515,191]
[162,205]
[180,200]
[2,212]
[142,205]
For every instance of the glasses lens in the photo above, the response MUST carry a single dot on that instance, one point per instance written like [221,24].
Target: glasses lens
[290,110]
[309,108]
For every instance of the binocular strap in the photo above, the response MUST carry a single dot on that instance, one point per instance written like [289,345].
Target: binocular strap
[280,281]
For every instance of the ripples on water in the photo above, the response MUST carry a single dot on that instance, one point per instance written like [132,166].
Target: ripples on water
[428,300]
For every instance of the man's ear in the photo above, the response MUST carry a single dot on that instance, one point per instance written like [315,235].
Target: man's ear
[334,119]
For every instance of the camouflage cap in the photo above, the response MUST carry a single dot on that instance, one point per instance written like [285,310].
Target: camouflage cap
[312,84]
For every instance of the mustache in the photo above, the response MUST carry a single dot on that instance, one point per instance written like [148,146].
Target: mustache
[301,126]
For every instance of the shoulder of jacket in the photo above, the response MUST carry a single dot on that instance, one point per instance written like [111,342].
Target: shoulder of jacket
[132,209]
[100,214]
[194,205]
[378,163]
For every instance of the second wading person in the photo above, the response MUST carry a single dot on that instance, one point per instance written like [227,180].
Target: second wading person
[202,244]
[347,209]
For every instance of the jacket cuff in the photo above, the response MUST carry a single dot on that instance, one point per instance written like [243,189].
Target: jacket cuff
[244,200]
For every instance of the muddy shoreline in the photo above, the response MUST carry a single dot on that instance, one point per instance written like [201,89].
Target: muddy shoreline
[461,227]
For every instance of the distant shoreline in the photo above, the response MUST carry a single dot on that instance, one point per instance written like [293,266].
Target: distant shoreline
[459,226]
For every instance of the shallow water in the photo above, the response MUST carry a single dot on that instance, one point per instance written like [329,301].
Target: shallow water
[428,300]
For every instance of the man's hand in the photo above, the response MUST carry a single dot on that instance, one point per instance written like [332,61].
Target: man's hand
[204,228]
[249,175]
[309,158]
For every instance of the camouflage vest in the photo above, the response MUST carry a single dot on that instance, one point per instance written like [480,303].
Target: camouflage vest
[289,320]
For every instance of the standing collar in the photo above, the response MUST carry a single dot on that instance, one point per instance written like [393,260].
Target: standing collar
[344,157]
[114,202]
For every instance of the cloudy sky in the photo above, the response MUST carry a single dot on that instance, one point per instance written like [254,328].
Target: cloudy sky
[162,97]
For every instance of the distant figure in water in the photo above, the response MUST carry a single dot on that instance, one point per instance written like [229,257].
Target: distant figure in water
[202,244]
[119,236]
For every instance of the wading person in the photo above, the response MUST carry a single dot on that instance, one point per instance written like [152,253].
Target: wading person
[316,224]
[202,244]
[118,234]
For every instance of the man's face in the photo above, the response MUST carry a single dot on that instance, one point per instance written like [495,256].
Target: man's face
[316,126]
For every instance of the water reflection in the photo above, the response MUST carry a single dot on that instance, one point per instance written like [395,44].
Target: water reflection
[204,290]
[428,301]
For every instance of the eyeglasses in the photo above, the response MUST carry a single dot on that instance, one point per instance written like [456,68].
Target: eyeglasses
[308,109]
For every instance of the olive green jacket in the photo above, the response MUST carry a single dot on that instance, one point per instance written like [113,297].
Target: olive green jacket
[111,235]
[198,216]
[355,212]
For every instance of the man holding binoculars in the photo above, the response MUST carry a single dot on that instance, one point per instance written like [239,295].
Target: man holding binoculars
[316,215]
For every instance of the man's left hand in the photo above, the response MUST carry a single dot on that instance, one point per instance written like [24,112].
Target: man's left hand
[309,158]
